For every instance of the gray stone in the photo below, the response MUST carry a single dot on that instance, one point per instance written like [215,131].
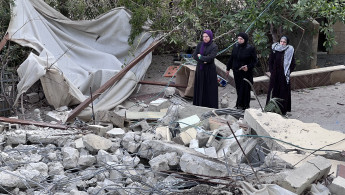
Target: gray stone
[115,133]
[86,160]
[101,128]
[16,137]
[70,157]
[337,187]
[130,143]
[55,168]
[104,157]
[152,148]
[302,177]
[131,162]
[50,136]
[9,179]
[93,143]
[140,126]
[158,104]
[164,161]
[77,192]
[211,152]
[79,143]
[117,119]
[194,164]
[169,92]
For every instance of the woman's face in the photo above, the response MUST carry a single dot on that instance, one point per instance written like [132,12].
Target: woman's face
[205,38]
[240,40]
[282,42]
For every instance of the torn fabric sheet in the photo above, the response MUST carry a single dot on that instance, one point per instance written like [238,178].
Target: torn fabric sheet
[76,55]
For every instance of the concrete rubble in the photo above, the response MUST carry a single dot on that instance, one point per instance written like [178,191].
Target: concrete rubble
[168,148]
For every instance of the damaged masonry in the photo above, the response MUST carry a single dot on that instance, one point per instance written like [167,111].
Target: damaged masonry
[163,146]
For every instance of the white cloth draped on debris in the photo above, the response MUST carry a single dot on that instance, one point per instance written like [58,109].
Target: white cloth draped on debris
[74,56]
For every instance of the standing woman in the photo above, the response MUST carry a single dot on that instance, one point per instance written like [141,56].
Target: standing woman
[242,61]
[205,83]
[281,64]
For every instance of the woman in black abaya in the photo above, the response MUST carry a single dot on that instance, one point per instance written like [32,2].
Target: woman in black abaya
[242,61]
[281,64]
[205,83]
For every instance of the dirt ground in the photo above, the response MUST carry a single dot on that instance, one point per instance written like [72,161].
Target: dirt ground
[324,105]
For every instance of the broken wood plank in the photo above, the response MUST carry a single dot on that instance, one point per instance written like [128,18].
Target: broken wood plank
[162,84]
[27,122]
[112,80]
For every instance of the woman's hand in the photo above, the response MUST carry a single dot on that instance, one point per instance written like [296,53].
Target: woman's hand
[244,68]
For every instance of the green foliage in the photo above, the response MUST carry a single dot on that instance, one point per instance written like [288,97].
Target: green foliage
[225,18]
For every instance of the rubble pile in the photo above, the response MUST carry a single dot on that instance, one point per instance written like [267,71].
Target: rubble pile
[165,147]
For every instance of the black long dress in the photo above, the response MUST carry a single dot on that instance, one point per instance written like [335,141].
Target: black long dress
[281,89]
[205,83]
[242,54]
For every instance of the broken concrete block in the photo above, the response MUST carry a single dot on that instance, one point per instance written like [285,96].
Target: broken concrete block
[158,104]
[227,144]
[102,116]
[79,143]
[129,161]
[130,142]
[117,119]
[70,157]
[237,156]
[187,122]
[164,132]
[337,187]
[115,133]
[194,143]
[144,115]
[169,92]
[85,159]
[55,168]
[197,165]
[215,140]
[101,128]
[171,115]
[302,177]
[164,162]
[140,126]
[201,150]
[185,137]
[310,135]
[211,152]
[93,143]
[33,98]
[56,116]
[153,148]
[104,157]
[16,137]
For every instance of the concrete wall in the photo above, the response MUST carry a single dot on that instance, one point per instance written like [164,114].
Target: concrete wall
[339,31]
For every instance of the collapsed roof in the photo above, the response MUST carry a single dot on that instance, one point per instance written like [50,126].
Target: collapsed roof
[77,57]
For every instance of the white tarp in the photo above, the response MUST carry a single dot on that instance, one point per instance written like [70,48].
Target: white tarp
[76,55]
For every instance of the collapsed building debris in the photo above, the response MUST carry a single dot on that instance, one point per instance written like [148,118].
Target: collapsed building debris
[166,146]
[144,157]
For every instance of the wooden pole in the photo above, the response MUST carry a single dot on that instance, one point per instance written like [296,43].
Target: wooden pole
[162,84]
[112,80]
[27,122]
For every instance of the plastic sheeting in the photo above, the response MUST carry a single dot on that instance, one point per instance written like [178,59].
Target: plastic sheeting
[74,56]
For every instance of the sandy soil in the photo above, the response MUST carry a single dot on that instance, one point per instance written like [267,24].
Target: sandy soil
[323,105]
